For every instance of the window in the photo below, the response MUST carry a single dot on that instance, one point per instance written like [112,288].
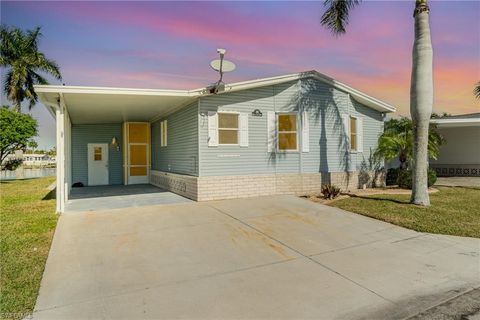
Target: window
[97,154]
[228,128]
[353,134]
[287,132]
[163,133]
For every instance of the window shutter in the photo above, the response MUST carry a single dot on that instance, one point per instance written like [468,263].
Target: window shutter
[165,134]
[161,134]
[243,119]
[346,129]
[360,134]
[271,131]
[212,129]
[305,132]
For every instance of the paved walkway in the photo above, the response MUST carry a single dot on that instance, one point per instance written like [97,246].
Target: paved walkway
[263,258]
[458,181]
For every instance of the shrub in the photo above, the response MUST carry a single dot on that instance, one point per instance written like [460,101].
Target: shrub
[392,176]
[330,191]
[12,164]
[405,178]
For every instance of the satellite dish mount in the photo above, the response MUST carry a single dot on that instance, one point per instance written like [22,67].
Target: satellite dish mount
[221,66]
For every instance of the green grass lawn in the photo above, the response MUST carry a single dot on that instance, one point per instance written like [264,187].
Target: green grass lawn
[27,224]
[453,211]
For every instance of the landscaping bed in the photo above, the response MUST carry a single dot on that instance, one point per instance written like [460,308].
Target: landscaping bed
[27,222]
[453,210]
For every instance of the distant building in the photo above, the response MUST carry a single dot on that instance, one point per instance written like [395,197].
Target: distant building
[38,159]
[460,156]
[31,159]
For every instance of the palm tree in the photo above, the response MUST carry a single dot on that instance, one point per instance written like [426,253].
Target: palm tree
[397,142]
[476,90]
[335,18]
[19,54]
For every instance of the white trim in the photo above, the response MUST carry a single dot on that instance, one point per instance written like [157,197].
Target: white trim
[163,133]
[243,129]
[212,127]
[457,122]
[360,133]
[111,90]
[305,132]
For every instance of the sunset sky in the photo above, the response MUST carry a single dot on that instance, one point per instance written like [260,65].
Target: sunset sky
[170,45]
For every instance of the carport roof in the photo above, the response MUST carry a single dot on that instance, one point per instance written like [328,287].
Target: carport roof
[114,105]
[461,120]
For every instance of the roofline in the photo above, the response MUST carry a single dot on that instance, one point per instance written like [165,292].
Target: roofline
[237,86]
[455,122]
[111,90]
[385,107]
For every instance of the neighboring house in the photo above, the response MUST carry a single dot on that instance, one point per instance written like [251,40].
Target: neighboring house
[286,134]
[37,159]
[460,156]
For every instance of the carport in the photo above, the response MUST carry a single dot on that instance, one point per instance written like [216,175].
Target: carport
[119,196]
[104,138]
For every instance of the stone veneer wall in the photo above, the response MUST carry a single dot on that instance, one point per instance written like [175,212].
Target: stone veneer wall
[244,186]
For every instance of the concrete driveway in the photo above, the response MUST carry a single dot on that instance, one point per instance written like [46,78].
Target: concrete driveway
[268,257]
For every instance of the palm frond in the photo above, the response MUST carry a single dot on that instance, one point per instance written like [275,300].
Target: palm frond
[25,64]
[335,18]
[476,91]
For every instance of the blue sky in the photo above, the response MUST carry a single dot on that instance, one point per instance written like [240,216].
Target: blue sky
[169,45]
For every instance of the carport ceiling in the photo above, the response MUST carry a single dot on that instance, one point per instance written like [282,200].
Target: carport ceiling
[90,105]
[110,108]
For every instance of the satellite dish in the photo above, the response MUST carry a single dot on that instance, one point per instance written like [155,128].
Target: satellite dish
[222,65]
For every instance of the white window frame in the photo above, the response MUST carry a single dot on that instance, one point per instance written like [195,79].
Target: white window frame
[238,128]
[350,134]
[277,130]
[163,133]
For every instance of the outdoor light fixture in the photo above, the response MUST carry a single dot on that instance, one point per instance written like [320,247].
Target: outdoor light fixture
[114,143]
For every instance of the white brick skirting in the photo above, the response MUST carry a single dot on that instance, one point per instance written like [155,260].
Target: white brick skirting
[178,183]
[244,186]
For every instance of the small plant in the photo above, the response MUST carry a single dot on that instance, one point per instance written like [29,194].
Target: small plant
[392,176]
[330,191]
[405,178]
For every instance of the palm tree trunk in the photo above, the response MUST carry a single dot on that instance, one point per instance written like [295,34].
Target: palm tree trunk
[421,100]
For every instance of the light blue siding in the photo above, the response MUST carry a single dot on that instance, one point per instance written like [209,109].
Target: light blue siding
[181,153]
[82,135]
[328,144]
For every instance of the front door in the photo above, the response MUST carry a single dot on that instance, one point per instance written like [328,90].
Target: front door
[97,164]
[137,152]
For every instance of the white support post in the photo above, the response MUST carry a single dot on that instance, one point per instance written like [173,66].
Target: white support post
[62,187]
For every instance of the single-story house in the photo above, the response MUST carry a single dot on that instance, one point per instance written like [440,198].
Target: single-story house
[37,159]
[460,155]
[285,134]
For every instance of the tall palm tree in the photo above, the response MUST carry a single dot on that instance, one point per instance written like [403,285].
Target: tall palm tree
[476,90]
[19,54]
[335,18]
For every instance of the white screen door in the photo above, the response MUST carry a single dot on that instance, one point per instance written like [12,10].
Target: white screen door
[97,164]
